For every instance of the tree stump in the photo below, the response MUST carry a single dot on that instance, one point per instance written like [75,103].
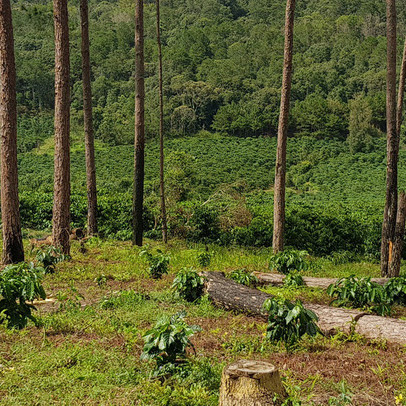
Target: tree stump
[251,383]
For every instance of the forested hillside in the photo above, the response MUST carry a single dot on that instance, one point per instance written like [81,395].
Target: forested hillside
[222,68]
[222,78]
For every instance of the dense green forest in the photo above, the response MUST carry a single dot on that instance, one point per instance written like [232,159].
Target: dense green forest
[222,65]
[222,78]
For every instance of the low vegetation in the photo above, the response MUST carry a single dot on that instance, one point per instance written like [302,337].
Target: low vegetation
[166,343]
[19,285]
[104,302]
[188,284]
[244,277]
[289,322]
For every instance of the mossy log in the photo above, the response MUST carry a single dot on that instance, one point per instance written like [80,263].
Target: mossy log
[232,296]
[251,383]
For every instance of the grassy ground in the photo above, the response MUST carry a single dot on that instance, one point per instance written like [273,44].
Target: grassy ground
[87,352]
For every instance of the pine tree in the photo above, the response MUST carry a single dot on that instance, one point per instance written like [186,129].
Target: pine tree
[13,250]
[391,204]
[161,126]
[280,167]
[61,209]
[139,144]
[88,122]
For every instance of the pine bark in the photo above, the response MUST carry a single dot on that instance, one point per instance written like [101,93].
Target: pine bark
[396,253]
[390,211]
[401,93]
[13,250]
[61,209]
[139,144]
[280,166]
[161,126]
[88,122]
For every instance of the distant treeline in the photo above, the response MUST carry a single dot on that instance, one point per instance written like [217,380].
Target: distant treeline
[222,68]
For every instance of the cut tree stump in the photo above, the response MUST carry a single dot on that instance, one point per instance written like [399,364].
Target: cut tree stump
[323,283]
[230,295]
[251,383]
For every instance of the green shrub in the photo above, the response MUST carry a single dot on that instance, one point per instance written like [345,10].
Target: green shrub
[293,280]
[167,341]
[360,293]
[244,277]
[20,284]
[188,284]
[342,257]
[289,322]
[205,225]
[395,290]
[49,256]
[289,260]
[204,259]
[158,264]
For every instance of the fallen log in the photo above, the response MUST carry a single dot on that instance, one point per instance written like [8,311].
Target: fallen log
[382,328]
[229,295]
[323,283]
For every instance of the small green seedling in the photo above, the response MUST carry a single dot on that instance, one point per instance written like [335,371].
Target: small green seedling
[20,284]
[158,264]
[188,284]
[289,322]
[166,343]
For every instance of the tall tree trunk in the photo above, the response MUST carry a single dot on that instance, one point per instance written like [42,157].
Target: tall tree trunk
[280,167]
[161,126]
[88,121]
[401,93]
[138,197]
[390,212]
[61,210]
[13,250]
[396,254]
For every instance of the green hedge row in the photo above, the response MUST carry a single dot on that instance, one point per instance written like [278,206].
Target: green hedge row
[318,230]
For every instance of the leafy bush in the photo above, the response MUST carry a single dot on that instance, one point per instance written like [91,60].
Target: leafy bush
[289,260]
[189,284]
[342,257]
[159,264]
[289,322]
[204,258]
[244,277]
[293,280]
[205,225]
[360,293]
[20,284]
[49,256]
[167,341]
[395,290]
